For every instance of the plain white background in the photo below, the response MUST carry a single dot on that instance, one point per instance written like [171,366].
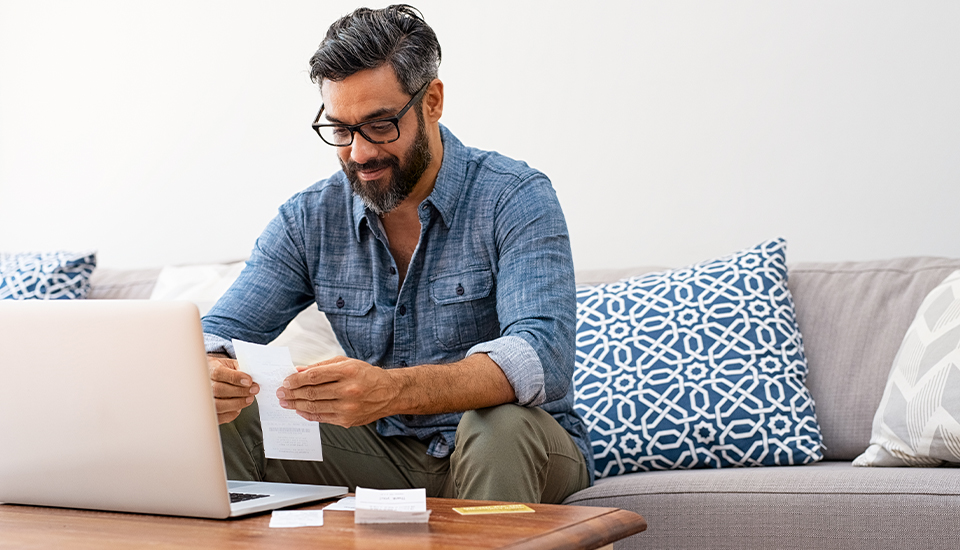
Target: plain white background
[169,132]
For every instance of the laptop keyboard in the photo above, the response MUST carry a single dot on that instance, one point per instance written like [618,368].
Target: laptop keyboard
[240,497]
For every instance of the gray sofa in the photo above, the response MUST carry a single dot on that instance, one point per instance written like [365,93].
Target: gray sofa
[852,317]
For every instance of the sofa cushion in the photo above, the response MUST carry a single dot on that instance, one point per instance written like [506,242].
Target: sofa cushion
[823,505]
[696,367]
[122,284]
[918,421]
[46,275]
[853,316]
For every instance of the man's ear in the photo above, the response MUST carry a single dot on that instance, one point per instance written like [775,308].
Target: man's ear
[433,101]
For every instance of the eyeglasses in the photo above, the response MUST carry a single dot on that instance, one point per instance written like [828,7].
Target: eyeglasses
[379,131]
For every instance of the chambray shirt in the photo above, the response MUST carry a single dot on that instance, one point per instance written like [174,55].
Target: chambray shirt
[492,273]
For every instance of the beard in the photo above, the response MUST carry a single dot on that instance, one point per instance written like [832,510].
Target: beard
[383,196]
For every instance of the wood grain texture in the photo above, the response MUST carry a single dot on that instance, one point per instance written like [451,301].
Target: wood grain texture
[550,527]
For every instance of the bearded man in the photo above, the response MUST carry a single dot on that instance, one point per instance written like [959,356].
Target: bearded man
[446,274]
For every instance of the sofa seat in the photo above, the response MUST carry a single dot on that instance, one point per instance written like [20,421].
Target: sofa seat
[825,505]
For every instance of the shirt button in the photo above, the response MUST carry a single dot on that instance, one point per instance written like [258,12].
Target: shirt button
[459,290]
[340,303]
[403,363]
[403,310]
[393,270]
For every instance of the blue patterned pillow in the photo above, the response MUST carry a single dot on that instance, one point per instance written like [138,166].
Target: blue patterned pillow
[45,276]
[700,367]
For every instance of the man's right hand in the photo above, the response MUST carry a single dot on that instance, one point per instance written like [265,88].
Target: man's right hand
[232,390]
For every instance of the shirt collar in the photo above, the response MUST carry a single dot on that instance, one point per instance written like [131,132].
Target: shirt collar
[446,191]
[450,179]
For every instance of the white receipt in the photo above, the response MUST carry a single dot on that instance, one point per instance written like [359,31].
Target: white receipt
[391,506]
[345,504]
[296,518]
[286,435]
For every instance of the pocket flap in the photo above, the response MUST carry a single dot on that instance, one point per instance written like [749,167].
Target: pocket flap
[461,287]
[344,300]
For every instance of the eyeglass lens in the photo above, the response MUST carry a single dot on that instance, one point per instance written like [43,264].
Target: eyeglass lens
[383,131]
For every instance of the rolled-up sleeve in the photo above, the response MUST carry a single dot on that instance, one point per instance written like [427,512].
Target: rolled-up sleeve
[218,344]
[521,365]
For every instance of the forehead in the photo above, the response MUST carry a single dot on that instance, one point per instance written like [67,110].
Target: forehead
[371,93]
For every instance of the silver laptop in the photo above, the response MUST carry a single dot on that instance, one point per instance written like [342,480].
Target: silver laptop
[106,404]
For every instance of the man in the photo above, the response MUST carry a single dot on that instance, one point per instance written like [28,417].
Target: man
[447,277]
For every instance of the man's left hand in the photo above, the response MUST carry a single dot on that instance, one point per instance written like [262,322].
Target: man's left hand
[342,391]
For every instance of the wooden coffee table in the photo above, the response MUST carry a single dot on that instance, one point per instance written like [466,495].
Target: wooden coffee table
[550,526]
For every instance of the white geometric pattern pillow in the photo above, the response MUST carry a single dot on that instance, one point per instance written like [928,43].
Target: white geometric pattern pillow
[918,421]
[46,276]
[701,367]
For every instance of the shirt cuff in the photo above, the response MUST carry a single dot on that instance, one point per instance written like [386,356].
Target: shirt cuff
[216,344]
[520,363]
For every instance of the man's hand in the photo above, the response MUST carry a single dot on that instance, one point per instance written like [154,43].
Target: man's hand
[232,390]
[341,391]
[349,392]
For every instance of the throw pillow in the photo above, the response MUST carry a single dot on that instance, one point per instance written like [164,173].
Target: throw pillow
[700,367]
[46,275]
[918,421]
[309,335]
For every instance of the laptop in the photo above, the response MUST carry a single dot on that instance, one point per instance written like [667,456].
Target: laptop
[106,405]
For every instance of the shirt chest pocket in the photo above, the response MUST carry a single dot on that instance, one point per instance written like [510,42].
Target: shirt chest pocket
[347,310]
[465,309]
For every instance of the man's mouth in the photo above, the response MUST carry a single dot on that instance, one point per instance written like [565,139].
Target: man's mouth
[372,170]
[372,174]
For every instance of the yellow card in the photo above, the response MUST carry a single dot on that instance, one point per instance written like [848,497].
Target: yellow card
[495,509]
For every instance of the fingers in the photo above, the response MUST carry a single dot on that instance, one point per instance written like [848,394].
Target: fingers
[330,361]
[331,370]
[232,390]
[328,416]
[227,417]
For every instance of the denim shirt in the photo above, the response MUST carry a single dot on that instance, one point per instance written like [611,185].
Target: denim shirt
[492,273]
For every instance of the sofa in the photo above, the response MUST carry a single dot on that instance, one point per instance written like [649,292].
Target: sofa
[853,317]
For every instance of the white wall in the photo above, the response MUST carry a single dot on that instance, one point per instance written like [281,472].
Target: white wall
[169,132]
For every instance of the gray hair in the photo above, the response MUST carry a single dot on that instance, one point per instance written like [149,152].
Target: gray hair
[366,39]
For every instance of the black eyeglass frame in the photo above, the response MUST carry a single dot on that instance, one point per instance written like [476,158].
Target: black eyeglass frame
[356,128]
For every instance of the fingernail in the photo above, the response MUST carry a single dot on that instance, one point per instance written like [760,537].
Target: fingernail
[286,383]
[284,404]
[249,400]
[280,394]
[245,382]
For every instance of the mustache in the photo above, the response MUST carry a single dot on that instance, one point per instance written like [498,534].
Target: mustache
[374,164]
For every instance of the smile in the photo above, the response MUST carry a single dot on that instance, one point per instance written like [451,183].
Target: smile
[372,174]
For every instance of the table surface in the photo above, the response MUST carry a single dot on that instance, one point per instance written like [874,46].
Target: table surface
[549,527]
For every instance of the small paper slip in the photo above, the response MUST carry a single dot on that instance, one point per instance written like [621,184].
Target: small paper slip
[296,518]
[494,509]
[345,504]
[391,506]
[286,434]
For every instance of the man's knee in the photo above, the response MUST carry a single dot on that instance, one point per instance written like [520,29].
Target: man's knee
[500,431]
[515,453]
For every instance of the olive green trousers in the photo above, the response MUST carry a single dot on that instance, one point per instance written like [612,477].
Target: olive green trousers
[508,453]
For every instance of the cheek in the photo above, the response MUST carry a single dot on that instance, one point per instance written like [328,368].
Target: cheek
[343,154]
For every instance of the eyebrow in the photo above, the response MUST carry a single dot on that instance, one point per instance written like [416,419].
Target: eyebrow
[379,113]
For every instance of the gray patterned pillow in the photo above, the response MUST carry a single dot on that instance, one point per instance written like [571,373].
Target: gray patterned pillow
[918,421]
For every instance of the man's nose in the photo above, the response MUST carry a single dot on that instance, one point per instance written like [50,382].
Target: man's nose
[362,151]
